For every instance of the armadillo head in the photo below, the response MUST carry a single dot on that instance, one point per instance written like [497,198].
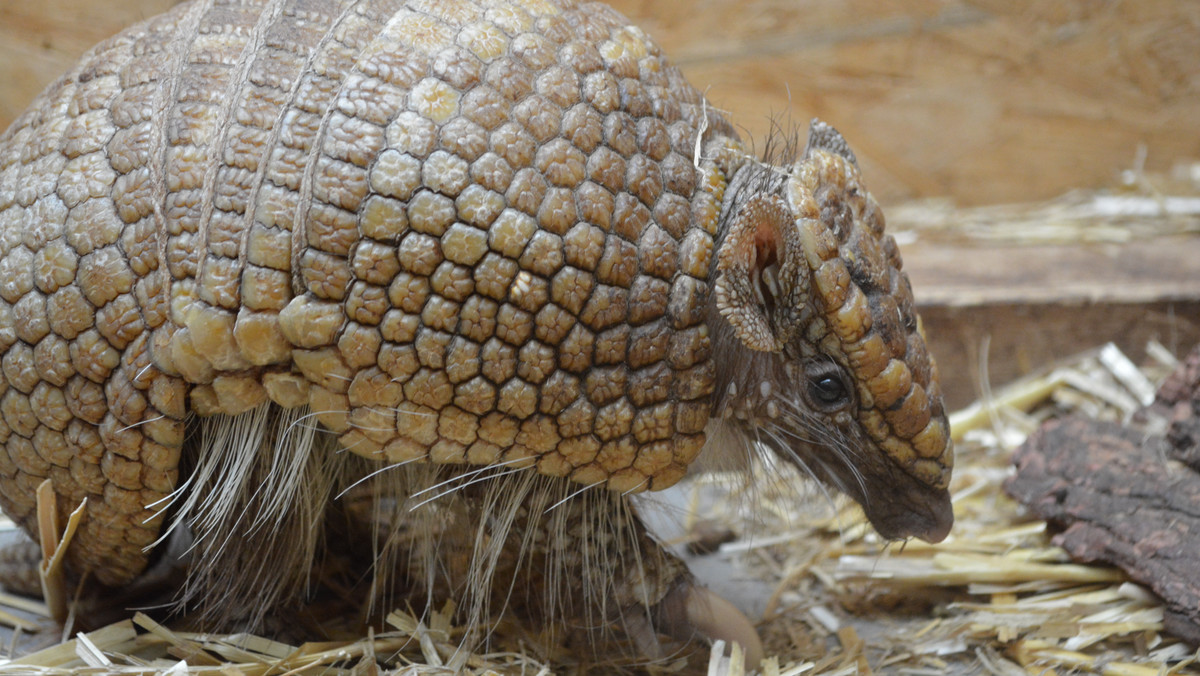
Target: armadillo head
[821,355]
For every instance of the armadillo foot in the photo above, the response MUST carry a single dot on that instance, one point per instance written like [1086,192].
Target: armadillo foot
[717,619]
[19,559]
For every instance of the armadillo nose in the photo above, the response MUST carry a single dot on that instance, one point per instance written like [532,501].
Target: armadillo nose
[941,518]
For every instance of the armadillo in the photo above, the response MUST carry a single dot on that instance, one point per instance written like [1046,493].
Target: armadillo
[495,258]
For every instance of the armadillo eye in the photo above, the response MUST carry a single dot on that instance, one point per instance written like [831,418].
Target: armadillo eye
[828,391]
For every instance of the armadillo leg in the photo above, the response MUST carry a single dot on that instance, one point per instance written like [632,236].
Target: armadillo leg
[685,612]
[577,562]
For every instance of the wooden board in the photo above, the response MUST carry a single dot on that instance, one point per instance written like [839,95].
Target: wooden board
[984,101]
[995,343]
[40,39]
[1006,291]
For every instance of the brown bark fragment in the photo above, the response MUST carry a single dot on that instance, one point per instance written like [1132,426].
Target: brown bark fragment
[1125,497]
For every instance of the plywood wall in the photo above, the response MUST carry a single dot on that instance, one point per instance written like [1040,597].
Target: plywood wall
[981,100]
[39,39]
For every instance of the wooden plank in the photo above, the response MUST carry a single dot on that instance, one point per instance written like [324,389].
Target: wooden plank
[985,101]
[40,40]
[958,275]
[1009,341]
[1014,309]
[1016,288]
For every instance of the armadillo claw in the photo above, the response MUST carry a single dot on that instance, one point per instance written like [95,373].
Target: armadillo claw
[717,619]
[690,612]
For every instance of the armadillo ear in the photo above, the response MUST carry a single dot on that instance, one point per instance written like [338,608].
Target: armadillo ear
[748,287]
[821,136]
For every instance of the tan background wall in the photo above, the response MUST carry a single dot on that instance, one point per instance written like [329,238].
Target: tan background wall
[982,100]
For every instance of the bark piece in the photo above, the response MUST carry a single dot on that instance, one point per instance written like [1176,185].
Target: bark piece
[1179,401]
[1120,500]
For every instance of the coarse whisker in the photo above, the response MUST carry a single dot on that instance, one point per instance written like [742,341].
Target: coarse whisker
[829,498]
[142,371]
[573,494]
[799,461]
[811,435]
[783,142]
[371,428]
[166,502]
[636,488]
[469,483]
[363,479]
[351,447]
[298,422]
[758,445]
[482,477]
[835,479]
[836,440]
[287,460]
[841,449]
[153,607]
[167,499]
[465,475]
[807,434]
[821,434]
[802,432]
[405,411]
[318,428]
[140,423]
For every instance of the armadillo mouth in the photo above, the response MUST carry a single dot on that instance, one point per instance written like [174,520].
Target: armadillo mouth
[897,504]
[913,511]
